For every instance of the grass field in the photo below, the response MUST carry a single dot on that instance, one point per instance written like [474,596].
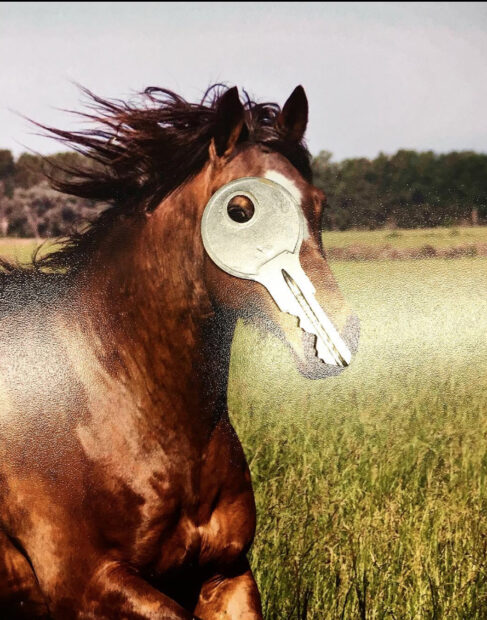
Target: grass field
[19,249]
[371,487]
[411,238]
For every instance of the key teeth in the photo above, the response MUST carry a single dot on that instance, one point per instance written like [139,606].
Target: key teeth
[322,353]
[318,346]
[320,350]
[306,325]
[318,353]
[293,293]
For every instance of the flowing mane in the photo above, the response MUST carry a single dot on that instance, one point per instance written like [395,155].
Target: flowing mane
[141,152]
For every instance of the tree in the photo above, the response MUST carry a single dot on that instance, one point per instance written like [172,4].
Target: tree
[29,170]
[408,189]
[3,211]
[7,171]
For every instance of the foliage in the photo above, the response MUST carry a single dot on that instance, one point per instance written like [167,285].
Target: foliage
[29,207]
[41,212]
[406,190]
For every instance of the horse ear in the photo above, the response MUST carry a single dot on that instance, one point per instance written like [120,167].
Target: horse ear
[293,119]
[229,122]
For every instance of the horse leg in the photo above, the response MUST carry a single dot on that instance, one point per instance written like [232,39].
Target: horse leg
[116,592]
[230,596]
[20,596]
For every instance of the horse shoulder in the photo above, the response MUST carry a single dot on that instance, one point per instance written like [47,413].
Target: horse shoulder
[227,497]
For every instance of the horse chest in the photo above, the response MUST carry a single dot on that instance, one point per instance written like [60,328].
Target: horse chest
[172,511]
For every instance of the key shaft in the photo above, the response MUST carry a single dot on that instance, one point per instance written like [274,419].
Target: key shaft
[294,293]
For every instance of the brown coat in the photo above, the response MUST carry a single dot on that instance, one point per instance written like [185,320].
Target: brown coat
[124,490]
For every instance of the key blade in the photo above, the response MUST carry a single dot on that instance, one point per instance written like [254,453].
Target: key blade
[329,344]
[293,292]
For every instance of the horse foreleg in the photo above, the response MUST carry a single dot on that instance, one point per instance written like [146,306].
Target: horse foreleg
[230,596]
[116,592]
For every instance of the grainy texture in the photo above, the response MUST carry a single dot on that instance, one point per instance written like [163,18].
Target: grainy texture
[371,487]
[124,490]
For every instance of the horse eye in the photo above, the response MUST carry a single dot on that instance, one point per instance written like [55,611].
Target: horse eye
[240,209]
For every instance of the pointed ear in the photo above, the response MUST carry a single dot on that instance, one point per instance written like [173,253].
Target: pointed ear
[293,119]
[229,122]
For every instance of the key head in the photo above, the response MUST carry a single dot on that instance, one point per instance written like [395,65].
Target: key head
[240,243]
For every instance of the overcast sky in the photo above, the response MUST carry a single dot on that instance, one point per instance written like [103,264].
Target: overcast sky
[379,76]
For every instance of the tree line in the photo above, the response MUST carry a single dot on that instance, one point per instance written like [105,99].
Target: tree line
[29,207]
[409,189]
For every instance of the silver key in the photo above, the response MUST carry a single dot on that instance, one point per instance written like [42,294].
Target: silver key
[266,249]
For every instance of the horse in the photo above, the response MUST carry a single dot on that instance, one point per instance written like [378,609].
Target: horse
[124,490]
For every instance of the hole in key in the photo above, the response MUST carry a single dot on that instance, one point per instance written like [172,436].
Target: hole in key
[240,209]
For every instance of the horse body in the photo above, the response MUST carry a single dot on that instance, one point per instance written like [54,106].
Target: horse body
[152,465]
[124,491]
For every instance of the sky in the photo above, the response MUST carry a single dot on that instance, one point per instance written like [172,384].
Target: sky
[379,76]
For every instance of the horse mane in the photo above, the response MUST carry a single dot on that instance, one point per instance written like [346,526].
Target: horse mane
[139,153]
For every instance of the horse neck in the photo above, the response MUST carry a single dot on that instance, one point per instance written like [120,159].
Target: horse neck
[160,334]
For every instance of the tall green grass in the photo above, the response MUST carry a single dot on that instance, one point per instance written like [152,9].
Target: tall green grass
[371,487]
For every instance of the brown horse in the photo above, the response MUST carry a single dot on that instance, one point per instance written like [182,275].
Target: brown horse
[124,491]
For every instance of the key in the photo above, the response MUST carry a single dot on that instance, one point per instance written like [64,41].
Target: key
[264,246]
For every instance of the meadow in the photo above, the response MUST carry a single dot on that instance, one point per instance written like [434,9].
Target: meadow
[20,250]
[439,237]
[371,487]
